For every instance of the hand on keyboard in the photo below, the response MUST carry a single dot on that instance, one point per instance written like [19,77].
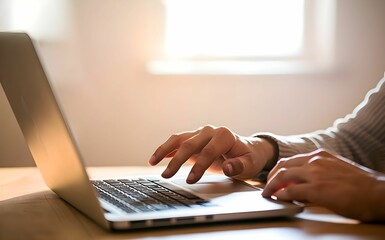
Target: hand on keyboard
[215,149]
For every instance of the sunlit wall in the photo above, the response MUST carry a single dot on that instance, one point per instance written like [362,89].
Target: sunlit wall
[96,54]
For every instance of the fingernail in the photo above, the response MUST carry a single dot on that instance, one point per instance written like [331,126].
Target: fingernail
[191,178]
[229,170]
[282,194]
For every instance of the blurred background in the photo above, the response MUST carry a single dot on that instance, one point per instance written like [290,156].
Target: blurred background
[128,73]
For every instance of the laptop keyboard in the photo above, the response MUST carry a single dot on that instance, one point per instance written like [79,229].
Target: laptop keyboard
[144,195]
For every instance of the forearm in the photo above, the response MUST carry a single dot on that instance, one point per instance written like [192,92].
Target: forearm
[359,136]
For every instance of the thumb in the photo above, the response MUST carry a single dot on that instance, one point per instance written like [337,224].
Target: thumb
[233,167]
[241,167]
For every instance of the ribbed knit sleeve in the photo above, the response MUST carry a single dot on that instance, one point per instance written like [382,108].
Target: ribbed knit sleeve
[360,136]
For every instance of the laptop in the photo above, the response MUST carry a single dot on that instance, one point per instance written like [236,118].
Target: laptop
[116,204]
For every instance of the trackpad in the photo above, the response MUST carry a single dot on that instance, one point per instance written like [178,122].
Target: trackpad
[215,184]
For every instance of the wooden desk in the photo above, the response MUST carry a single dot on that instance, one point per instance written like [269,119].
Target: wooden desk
[29,210]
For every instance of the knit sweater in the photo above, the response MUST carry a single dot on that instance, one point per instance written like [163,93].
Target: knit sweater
[360,136]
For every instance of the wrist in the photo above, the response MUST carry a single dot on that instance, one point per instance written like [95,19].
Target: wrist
[271,151]
[267,150]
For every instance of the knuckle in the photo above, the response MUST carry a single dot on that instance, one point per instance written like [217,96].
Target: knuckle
[207,128]
[281,173]
[316,161]
[316,158]
[224,132]
[222,129]
[322,152]
[315,168]
[173,137]
[281,162]
[188,146]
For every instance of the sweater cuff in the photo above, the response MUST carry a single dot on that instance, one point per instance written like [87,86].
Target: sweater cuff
[289,145]
[273,141]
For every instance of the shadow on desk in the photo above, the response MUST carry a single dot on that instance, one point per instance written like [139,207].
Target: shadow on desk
[42,215]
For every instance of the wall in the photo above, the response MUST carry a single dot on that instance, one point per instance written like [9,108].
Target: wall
[120,113]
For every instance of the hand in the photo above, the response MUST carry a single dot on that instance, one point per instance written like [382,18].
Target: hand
[330,181]
[215,149]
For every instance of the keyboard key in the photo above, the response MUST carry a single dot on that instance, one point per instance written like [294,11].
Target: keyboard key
[141,195]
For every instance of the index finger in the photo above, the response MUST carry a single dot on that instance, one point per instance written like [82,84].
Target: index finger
[295,161]
[220,143]
[170,146]
[283,178]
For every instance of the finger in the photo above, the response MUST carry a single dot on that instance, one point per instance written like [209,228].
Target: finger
[296,160]
[185,151]
[283,178]
[220,143]
[233,167]
[216,166]
[169,147]
[241,167]
[295,192]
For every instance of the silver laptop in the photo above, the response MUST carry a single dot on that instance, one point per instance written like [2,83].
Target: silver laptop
[138,202]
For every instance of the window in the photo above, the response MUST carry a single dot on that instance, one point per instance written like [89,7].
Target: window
[233,28]
[245,36]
